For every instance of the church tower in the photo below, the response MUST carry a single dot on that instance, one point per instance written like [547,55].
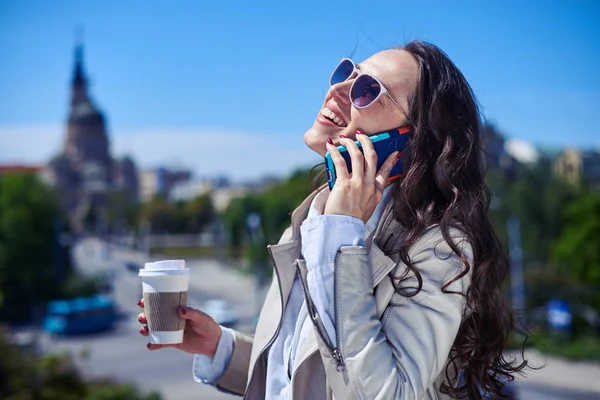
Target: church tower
[87,143]
[87,148]
[84,173]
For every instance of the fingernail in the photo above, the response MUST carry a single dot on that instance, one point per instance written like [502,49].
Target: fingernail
[148,346]
[140,318]
[142,330]
[399,155]
[182,310]
[342,137]
[329,141]
[139,303]
[359,132]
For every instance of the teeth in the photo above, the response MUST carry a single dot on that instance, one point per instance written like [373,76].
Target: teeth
[329,114]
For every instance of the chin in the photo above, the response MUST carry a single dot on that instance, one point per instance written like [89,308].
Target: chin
[315,140]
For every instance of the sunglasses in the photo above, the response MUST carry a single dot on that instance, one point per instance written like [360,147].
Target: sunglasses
[365,90]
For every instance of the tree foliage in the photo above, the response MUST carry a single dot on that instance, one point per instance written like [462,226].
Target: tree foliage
[25,375]
[537,199]
[32,262]
[178,217]
[274,206]
[577,250]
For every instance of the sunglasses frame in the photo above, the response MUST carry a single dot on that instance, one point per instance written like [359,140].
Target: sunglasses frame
[359,73]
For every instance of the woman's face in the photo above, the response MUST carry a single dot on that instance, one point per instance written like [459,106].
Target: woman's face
[397,70]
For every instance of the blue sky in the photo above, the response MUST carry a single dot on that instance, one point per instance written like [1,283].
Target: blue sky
[231,86]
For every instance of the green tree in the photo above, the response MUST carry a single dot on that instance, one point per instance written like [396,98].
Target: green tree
[538,199]
[274,206]
[578,247]
[122,212]
[199,213]
[28,247]
[279,201]
[24,375]
[162,216]
[178,217]
[234,219]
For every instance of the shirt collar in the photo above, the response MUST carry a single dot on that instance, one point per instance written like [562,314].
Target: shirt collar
[317,207]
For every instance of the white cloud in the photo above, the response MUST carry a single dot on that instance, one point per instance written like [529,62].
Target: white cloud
[239,155]
[30,144]
[523,151]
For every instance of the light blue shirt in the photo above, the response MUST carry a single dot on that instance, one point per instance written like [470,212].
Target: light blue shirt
[322,237]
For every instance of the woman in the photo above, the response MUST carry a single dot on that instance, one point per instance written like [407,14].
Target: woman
[382,290]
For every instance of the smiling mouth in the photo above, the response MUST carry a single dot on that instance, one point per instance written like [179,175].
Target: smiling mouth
[330,115]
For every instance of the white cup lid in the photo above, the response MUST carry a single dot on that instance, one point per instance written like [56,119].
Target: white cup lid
[166,265]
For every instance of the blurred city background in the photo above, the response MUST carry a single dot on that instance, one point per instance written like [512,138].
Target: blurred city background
[136,131]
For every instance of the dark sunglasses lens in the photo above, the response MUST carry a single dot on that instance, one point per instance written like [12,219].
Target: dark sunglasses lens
[364,91]
[342,72]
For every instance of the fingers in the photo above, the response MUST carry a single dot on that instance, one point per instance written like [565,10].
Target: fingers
[144,331]
[384,172]
[341,168]
[356,157]
[370,156]
[193,315]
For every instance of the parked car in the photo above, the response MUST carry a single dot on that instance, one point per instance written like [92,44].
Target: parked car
[133,267]
[80,315]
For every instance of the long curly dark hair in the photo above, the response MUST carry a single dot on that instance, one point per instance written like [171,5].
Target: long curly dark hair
[445,184]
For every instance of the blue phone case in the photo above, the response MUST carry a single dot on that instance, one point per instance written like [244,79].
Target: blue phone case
[384,143]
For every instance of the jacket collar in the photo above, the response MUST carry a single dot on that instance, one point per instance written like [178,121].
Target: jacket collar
[381,264]
[285,254]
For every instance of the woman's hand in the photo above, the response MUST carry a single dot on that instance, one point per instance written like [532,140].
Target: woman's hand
[358,194]
[201,334]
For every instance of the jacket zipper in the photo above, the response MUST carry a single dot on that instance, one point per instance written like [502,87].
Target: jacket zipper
[280,318]
[336,315]
[335,351]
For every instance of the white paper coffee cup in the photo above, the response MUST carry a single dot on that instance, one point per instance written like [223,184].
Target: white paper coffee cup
[165,286]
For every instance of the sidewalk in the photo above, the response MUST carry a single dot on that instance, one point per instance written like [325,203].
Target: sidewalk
[556,372]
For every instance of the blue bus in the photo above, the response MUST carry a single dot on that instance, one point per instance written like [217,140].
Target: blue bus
[80,315]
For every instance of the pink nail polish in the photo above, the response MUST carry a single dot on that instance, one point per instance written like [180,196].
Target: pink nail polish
[399,155]
[359,132]
[148,346]
[329,141]
[342,137]
[141,330]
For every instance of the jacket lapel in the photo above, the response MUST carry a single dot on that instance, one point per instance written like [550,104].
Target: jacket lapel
[284,256]
[381,266]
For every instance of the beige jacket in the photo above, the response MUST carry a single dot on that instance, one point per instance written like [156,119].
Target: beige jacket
[389,346]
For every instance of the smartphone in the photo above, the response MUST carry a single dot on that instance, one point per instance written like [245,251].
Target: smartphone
[385,143]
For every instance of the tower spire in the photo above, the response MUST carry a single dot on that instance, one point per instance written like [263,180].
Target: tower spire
[79,84]
[79,75]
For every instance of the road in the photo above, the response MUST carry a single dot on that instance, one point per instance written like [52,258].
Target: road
[122,353]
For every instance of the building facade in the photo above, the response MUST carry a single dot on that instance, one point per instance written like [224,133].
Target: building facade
[161,181]
[84,173]
[579,167]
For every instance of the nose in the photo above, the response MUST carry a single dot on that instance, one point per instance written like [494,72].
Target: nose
[341,92]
